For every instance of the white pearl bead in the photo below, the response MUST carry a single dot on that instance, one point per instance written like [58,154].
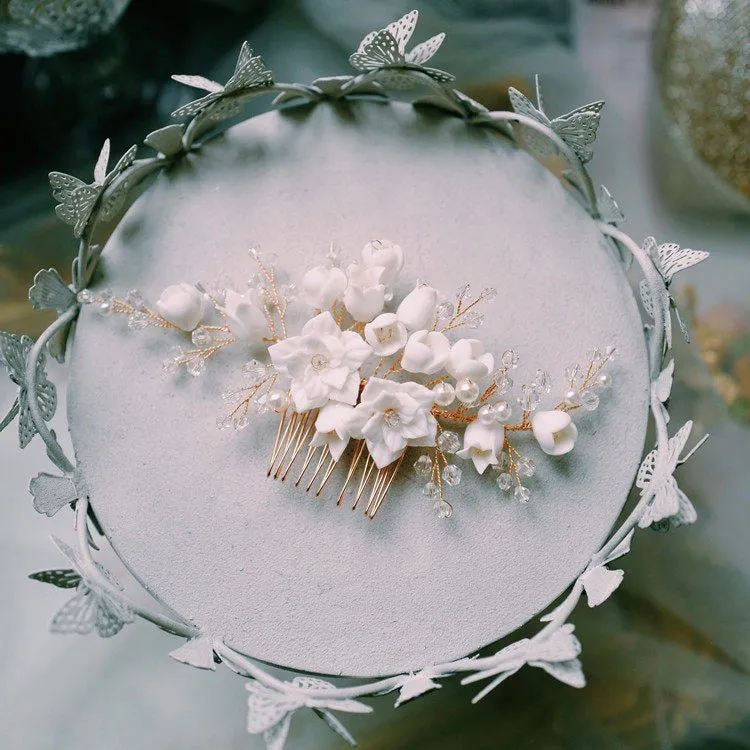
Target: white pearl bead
[572,397]
[277,399]
[604,380]
[467,391]
[444,394]
[486,414]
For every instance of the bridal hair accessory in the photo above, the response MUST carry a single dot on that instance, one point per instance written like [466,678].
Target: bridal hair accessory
[101,605]
[369,377]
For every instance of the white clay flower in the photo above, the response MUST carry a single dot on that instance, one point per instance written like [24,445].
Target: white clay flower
[391,416]
[426,352]
[468,359]
[482,443]
[386,334]
[417,309]
[247,322]
[323,363]
[365,295]
[554,431]
[322,286]
[182,305]
[387,255]
[332,428]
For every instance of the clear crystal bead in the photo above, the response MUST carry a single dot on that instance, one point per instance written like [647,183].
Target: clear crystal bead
[137,321]
[504,481]
[589,400]
[105,302]
[388,295]
[526,466]
[392,417]
[473,320]
[444,510]
[572,372]
[253,370]
[467,391]
[169,367]
[445,310]
[542,381]
[594,355]
[261,404]
[529,398]
[445,393]
[503,412]
[431,489]
[522,494]
[503,382]
[449,441]
[224,423]
[196,366]
[610,352]
[423,466]
[510,358]
[489,294]
[240,422]
[503,462]
[135,298]
[201,338]
[452,475]
[84,296]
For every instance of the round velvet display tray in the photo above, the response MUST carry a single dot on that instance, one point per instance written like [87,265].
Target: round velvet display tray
[292,579]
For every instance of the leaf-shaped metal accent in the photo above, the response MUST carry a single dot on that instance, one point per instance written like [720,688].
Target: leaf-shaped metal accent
[100,169]
[329,718]
[416,684]
[197,652]
[49,291]
[167,140]
[52,493]
[609,209]
[199,82]
[63,578]
[663,384]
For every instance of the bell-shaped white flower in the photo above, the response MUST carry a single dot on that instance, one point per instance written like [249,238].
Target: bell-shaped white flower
[365,294]
[332,428]
[554,431]
[323,363]
[247,322]
[482,444]
[387,255]
[182,305]
[386,334]
[469,359]
[322,286]
[417,309]
[426,352]
[391,416]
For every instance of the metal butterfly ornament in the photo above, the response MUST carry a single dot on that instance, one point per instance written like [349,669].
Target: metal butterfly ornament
[250,77]
[92,608]
[14,354]
[76,199]
[577,128]
[669,259]
[385,50]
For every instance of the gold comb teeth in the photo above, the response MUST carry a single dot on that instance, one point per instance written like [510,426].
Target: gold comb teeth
[296,431]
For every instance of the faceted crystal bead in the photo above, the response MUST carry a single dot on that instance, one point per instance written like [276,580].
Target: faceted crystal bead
[504,481]
[84,296]
[489,294]
[509,358]
[503,412]
[201,338]
[445,310]
[589,400]
[134,298]
[423,466]
[486,414]
[572,372]
[224,423]
[594,355]
[452,475]
[542,381]
[444,510]
[392,417]
[196,366]
[449,441]
[503,462]
[522,494]
[503,382]
[261,404]
[105,306]
[137,321]
[610,352]
[431,489]
[169,367]
[444,393]
[467,391]
[240,422]
[526,467]
[253,370]
[529,398]
[473,320]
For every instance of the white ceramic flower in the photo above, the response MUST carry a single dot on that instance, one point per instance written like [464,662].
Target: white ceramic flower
[469,359]
[246,320]
[365,295]
[387,255]
[391,416]
[482,443]
[322,286]
[182,305]
[417,309]
[554,431]
[426,352]
[332,428]
[323,363]
[386,334]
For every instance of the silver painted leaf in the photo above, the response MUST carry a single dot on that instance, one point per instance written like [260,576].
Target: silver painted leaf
[609,209]
[52,493]
[100,169]
[329,718]
[197,652]
[63,578]
[199,82]
[167,140]
[114,199]
[10,416]
[600,583]
[663,384]
[537,142]
[416,684]
[49,291]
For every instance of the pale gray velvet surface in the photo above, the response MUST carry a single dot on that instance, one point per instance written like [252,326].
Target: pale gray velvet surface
[294,580]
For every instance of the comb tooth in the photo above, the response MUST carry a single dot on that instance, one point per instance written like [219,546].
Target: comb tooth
[366,471]
[285,439]
[309,421]
[329,470]
[289,443]
[277,442]
[321,461]
[375,489]
[311,451]
[352,469]
[384,491]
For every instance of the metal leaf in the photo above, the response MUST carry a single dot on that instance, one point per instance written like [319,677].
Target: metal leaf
[52,493]
[63,578]
[197,652]
[199,82]
[167,140]
[49,291]
[100,170]
[609,210]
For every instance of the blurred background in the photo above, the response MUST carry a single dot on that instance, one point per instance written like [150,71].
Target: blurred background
[668,658]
